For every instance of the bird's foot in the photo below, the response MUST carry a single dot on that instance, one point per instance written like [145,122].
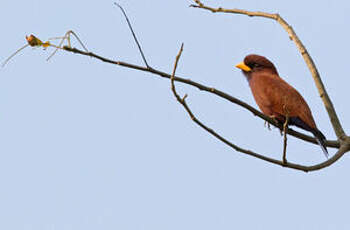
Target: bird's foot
[267,124]
[274,118]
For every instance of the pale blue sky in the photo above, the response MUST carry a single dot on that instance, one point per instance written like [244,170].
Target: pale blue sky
[88,145]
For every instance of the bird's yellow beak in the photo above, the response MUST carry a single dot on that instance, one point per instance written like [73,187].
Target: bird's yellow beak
[243,67]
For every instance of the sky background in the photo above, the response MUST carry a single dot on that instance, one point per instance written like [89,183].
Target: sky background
[89,145]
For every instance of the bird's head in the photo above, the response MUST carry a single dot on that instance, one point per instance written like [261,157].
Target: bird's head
[254,63]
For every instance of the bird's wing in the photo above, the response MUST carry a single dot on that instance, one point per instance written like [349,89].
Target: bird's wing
[276,96]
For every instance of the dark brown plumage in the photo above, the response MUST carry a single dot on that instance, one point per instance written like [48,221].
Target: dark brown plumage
[276,98]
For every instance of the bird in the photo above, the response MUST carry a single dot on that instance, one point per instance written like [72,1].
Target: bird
[278,99]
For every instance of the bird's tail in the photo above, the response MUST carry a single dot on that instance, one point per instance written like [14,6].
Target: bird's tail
[320,138]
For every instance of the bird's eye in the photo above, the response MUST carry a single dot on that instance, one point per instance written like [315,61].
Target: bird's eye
[256,65]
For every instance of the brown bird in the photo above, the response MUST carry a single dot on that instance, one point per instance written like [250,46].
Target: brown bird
[276,98]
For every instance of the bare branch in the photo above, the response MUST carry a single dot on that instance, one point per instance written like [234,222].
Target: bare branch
[307,58]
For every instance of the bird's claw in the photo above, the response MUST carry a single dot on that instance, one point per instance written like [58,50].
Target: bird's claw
[267,124]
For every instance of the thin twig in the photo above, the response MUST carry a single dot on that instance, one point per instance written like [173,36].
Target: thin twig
[173,89]
[307,58]
[133,34]
[285,127]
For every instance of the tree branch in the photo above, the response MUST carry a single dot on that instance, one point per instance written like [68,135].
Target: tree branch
[307,58]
